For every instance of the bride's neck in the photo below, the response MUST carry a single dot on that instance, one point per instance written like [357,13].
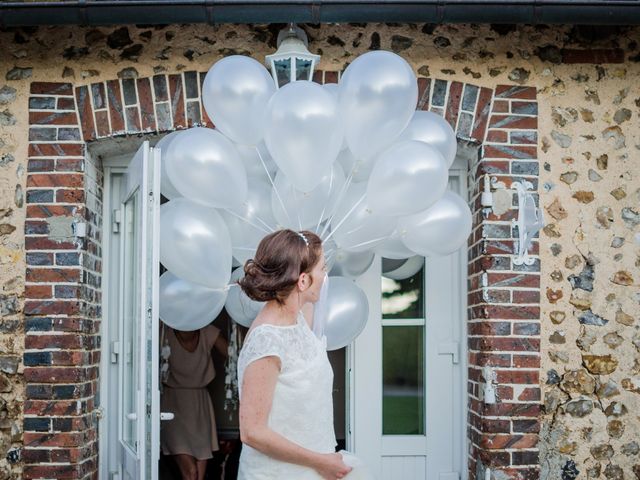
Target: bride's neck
[288,312]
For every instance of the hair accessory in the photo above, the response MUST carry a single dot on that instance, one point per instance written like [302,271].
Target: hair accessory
[306,242]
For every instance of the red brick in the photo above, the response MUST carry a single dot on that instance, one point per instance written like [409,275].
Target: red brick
[55,149]
[51,88]
[504,393]
[424,87]
[497,136]
[503,442]
[51,307]
[41,165]
[66,104]
[317,76]
[56,374]
[46,275]
[45,243]
[491,425]
[331,76]
[512,152]
[488,358]
[513,312]
[526,361]
[593,56]
[70,196]
[86,113]
[489,328]
[482,114]
[500,106]
[55,180]
[505,344]
[526,426]
[102,123]
[61,472]
[51,408]
[530,394]
[53,118]
[60,341]
[515,91]
[527,377]
[492,167]
[114,95]
[35,456]
[38,291]
[177,101]
[512,409]
[62,439]
[69,165]
[69,358]
[513,280]
[526,296]
[146,104]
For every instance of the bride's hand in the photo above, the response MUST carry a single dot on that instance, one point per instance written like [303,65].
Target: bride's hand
[331,466]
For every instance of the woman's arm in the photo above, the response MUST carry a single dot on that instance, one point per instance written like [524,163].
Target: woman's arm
[221,345]
[257,397]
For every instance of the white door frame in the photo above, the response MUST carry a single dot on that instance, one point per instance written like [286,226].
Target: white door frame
[364,379]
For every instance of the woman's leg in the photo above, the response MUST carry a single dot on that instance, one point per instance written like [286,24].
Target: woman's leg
[202,468]
[188,467]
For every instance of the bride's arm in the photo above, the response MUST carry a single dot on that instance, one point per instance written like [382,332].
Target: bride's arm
[258,385]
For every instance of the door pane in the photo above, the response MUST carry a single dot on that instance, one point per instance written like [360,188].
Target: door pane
[403,400]
[131,298]
[403,298]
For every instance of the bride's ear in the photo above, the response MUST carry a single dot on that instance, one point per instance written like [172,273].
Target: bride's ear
[303,281]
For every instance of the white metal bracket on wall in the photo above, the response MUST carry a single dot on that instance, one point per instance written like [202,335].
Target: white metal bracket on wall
[530,221]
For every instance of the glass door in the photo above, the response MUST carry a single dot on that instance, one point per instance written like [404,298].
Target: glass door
[139,275]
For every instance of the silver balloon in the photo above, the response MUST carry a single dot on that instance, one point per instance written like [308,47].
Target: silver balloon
[205,167]
[407,178]
[348,311]
[335,91]
[303,132]
[194,243]
[378,95]
[239,306]
[440,229]
[166,187]
[431,128]
[250,156]
[351,264]
[250,222]
[235,94]
[355,227]
[408,269]
[359,169]
[330,249]
[186,305]
[304,210]
[394,248]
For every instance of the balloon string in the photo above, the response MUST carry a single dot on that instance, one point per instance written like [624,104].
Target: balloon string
[295,198]
[245,248]
[249,222]
[346,216]
[369,241]
[264,165]
[226,288]
[335,208]
[269,227]
[324,207]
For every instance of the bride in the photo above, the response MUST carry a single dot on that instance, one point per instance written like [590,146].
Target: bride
[284,375]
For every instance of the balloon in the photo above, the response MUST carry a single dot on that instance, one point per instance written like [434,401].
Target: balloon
[393,248]
[330,249]
[205,167]
[256,209]
[253,164]
[440,229]
[166,187]
[362,230]
[351,264]
[239,306]
[194,243]
[408,269]
[188,306]
[335,90]
[361,169]
[304,210]
[407,178]
[431,128]
[378,95]
[235,94]
[303,132]
[348,310]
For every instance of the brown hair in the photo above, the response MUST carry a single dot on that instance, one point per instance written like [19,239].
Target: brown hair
[280,259]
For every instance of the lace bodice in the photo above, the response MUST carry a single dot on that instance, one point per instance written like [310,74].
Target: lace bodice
[302,408]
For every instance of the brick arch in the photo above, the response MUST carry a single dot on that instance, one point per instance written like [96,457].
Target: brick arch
[63,292]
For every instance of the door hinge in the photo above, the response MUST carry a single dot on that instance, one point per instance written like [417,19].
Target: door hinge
[115,224]
[114,476]
[115,351]
[450,348]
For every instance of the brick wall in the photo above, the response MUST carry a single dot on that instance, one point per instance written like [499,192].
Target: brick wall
[62,304]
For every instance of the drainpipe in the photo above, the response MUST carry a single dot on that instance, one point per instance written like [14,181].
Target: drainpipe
[111,12]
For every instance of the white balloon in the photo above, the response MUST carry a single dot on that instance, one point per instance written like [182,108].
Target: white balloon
[250,156]
[186,305]
[394,248]
[408,269]
[351,264]
[239,306]
[205,167]
[303,210]
[356,228]
[166,187]
[431,128]
[359,169]
[335,91]
[408,177]
[256,212]
[441,229]
[330,249]
[348,311]
[378,95]
[194,243]
[303,132]
[235,94]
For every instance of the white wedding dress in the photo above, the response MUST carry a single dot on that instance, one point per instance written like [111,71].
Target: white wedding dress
[302,409]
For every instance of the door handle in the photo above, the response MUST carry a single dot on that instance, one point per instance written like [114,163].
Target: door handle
[132,416]
[166,416]
[450,348]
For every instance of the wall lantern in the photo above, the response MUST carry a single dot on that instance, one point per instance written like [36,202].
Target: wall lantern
[292,61]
